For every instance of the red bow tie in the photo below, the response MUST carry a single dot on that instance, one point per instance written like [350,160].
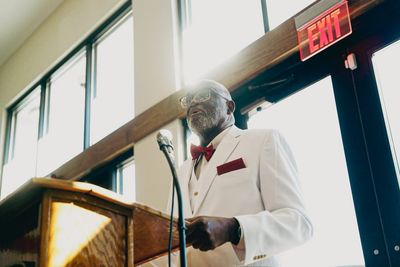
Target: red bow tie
[197,151]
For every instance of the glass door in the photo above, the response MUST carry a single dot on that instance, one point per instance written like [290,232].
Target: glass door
[377,87]
[319,113]
[308,120]
[386,73]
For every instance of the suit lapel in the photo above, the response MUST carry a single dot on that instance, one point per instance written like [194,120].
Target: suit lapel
[224,150]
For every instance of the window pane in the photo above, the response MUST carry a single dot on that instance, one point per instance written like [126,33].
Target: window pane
[308,120]
[21,164]
[218,30]
[64,136]
[281,10]
[126,182]
[386,72]
[112,99]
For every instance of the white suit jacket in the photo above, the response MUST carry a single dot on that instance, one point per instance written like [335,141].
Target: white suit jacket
[265,198]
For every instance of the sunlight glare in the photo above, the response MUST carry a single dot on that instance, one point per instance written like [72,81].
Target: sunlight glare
[219,29]
[65,243]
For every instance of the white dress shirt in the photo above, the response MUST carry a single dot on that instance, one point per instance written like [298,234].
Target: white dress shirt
[201,164]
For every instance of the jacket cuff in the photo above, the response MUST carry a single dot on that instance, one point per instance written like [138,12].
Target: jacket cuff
[240,248]
[249,251]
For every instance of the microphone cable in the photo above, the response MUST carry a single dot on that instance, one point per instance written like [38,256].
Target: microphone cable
[171,225]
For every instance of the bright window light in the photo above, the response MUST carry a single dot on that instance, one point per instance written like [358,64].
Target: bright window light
[385,66]
[218,30]
[21,164]
[64,136]
[126,182]
[112,98]
[308,120]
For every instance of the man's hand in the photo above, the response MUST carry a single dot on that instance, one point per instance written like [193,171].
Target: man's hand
[207,233]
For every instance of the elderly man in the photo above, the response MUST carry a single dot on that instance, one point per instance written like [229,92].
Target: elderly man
[240,187]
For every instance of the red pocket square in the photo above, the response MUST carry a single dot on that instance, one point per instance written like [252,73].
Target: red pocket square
[231,166]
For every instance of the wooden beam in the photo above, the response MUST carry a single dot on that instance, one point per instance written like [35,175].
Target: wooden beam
[122,139]
[271,49]
[268,51]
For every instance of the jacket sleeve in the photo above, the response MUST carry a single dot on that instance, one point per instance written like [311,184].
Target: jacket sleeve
[284,223]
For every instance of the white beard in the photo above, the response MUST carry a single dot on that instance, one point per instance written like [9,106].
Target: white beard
[204,122]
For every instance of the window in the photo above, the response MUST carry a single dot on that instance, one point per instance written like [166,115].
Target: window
[117,175]
[384,63]
[217,30]
[63,136]
[125,184]
[112,97]
[82,99]
[23,132]
[308,120]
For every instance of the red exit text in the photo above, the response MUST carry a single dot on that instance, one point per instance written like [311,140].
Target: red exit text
[324,30]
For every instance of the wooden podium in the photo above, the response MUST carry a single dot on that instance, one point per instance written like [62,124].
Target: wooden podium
[54,223]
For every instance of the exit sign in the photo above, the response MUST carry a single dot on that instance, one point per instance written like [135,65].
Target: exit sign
[325,29]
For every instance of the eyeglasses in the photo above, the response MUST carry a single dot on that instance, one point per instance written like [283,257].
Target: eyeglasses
[199,97]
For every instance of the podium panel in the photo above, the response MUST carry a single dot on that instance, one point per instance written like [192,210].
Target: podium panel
[54,223]
[83,231]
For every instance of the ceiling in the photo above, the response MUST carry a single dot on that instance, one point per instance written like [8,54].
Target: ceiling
[18,20]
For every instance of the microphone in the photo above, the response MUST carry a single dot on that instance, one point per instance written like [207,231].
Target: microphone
[164,140]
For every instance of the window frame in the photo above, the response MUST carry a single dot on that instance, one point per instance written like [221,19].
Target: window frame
[112,169]
[9,146]
[45,116]
[377,137]
[43,82]
[282,84]
[374,196]
[184,21]
[184,11]
[367,148]
[91,65]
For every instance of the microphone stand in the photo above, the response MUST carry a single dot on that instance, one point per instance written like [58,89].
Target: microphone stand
[181,223]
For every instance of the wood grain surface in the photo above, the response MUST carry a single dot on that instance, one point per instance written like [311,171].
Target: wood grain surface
[82,230]
[151,236]
[66,223]
[22,248]
[20,235]
[83,236]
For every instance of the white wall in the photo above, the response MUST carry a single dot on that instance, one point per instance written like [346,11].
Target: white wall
[155,71]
